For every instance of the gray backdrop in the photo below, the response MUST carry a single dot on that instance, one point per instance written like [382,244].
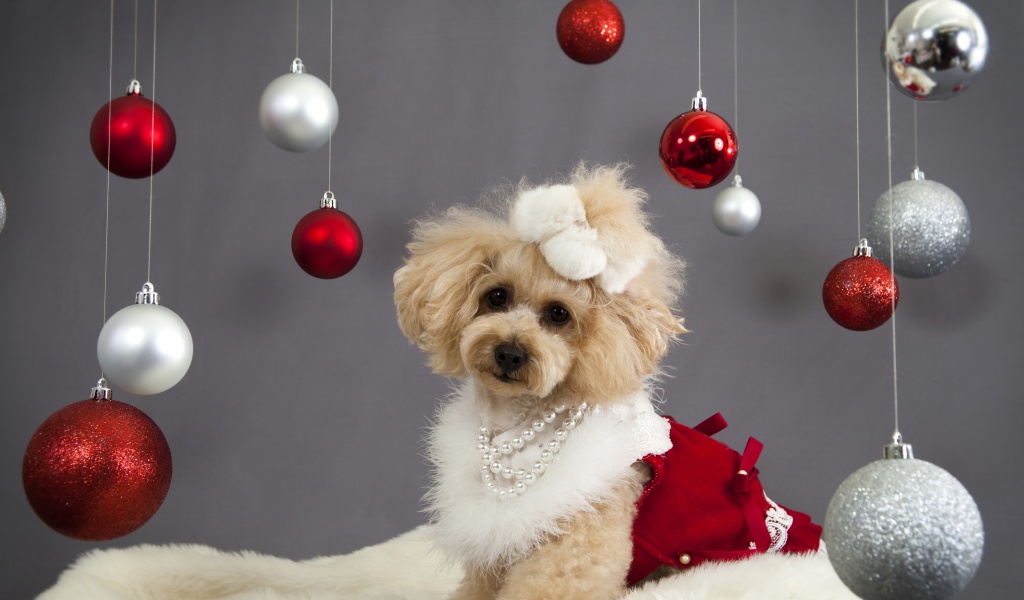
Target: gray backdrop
[297,430]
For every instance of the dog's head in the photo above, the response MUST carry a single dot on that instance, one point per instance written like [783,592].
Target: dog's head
[559,291]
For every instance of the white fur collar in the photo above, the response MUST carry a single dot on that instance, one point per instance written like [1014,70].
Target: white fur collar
[472,525]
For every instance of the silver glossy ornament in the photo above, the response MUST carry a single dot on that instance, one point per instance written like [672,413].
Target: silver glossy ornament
[902,528]
[145,348]
[736,210]
[298,111]
[931,227]
[935,49]
[3,212]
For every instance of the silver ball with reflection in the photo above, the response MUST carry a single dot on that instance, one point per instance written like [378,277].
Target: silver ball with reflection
[3,212]
[935,49]
[736,210]
[931,227]
[903,529]
[298,111]
[144,348]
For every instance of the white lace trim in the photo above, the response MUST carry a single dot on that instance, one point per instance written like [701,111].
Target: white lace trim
[778,522]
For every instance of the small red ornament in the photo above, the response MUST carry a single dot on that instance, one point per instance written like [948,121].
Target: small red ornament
[698,148]
[860,293]
[135,132]
[97,469]
[327,242]
[590,31]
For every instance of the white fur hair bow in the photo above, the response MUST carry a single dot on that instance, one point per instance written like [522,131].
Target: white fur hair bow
[554,218]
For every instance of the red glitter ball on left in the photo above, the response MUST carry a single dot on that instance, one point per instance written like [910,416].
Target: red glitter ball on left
[138,127]
[97,470]
[590,31]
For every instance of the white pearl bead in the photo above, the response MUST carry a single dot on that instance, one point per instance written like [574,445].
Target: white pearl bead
[493,450]
[529,434]
[490,485]
[549,416]
[511,493]
[482,447]
[505,448]
[568,423]
[520,473]
[517,442]
[539,467]
[560,408]
[561,434]
[502,494]
[486,457]
[554,446]
[546,456]
[507,473]
[484,431]
[519,487]
[529,479]
[485,470]
[538,425]
[495,467]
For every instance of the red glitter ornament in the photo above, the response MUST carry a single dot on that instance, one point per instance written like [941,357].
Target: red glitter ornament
[327,242]
[860,293]
[698,148]
[97,469]
[590,31]
[137,128]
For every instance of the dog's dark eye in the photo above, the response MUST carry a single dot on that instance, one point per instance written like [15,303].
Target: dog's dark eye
[558,315]
[497,298]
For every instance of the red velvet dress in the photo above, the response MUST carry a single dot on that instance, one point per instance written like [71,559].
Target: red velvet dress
[705,502]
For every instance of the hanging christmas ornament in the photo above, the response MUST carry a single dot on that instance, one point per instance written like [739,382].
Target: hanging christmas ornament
[736,210]
[3,212]
[930,227]
[298,111]
[902,528]
[590,31]
[145,348]
[935,49]
[327,242]
[137,128]
[698,148]
[97,469]
[860,292]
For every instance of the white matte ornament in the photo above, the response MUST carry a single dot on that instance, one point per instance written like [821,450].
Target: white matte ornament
[931,227]
[298,111]
[736,210]
[145,348]
[903,529]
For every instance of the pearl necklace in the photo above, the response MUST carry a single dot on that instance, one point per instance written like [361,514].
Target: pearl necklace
[493,457]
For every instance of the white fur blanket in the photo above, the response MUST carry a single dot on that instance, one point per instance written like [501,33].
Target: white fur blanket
[404,568]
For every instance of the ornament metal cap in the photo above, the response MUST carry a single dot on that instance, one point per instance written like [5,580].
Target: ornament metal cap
[328,201]
[917,175]
[862,249]
[898,450]
[737,181]
[134,88]
[101,391]
[297,66]
[148,295]
[699,102]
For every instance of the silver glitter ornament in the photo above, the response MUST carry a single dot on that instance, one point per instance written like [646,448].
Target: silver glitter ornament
[931,227]
[935,49]
[736,210]
[298,111]
[145,348]
[902,528]
[3,212]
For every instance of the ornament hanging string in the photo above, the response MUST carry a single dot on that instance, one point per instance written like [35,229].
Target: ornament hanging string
[916,165]
[296,28]
[135,48]
[896,436]
[152,134]
[330,85]
[699,74]
[106,226]
[856,102]
[735,81]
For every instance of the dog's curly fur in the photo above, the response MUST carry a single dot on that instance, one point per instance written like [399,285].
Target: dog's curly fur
[609,346]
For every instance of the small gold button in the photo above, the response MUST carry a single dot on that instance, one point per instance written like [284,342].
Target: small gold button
[684,558]
[742,472]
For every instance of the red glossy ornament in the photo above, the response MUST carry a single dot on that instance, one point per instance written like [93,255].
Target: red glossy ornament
[135,130]
[860,293]
[590,31]
[698,148]
[97,469]
[327,242]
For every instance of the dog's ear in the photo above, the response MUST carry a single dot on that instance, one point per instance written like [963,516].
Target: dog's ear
[436,291]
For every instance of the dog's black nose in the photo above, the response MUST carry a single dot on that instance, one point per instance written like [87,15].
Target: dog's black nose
[509,357]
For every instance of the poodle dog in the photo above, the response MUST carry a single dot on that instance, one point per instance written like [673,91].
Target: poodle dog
[554,307]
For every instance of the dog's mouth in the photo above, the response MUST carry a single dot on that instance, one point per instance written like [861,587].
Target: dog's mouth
[505,378]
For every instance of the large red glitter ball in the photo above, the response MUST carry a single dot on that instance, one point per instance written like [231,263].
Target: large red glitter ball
[97,470]
[327,243]
[134,130]
[860,293]
[698,149]
[590,31]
